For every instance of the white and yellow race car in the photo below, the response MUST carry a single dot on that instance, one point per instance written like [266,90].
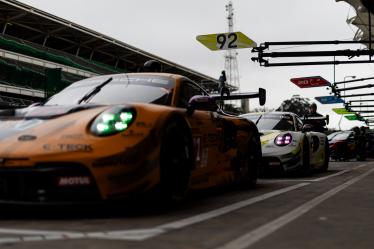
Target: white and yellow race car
[288,144]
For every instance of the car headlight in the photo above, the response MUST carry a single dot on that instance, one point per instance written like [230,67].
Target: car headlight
[113,120]
[283,139]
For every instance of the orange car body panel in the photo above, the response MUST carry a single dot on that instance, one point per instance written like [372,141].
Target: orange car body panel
[128,162]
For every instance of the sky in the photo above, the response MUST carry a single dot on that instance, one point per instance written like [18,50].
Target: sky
[168,28]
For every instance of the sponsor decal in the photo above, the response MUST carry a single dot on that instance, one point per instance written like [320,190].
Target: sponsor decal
[72,136]
[127,157]
[25,138]
[143,124]
[306,82]
[143,80]
[68,147]
[73,181]
[132,133]
[204,157]
[197,148]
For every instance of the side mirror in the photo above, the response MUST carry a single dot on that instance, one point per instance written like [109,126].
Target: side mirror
[200,102]
[307,127]
[262,96]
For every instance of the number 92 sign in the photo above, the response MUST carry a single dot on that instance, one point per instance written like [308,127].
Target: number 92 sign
[225,41]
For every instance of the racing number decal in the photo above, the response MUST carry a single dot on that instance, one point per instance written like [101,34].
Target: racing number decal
[231,38]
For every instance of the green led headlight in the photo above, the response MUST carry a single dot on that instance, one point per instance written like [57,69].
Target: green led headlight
[112,121]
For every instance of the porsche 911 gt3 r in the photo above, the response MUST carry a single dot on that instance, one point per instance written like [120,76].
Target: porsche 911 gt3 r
[287,145]
[111,137]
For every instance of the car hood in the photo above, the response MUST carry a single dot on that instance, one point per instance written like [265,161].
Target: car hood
[47,134]
[269,148]
[268,135]
[28,123]
[43,112]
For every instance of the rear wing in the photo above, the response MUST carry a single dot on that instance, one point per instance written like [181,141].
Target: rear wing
[261,95]
[325,118]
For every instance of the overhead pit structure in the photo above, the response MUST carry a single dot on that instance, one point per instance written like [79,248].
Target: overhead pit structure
[365,24]
[350,56]
[344,55]
[43,53]
[362,20]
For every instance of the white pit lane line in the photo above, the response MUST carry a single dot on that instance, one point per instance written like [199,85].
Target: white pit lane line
[147,233]
[313,180]
[263,231]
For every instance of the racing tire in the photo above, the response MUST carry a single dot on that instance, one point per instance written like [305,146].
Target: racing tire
[325,165]
[253,162]
[176,160]
[306,168]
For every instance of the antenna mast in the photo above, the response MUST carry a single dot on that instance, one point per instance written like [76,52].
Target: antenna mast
[231,62]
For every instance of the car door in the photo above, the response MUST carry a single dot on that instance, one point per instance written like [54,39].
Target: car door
[205,134]
[351,145]
[316,145]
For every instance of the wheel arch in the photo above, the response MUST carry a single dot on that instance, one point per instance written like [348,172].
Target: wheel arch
[186,128]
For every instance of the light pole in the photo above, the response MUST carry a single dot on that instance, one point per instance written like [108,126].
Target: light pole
[348,76]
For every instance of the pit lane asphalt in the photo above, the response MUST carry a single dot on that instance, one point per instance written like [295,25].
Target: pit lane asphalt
[329,210]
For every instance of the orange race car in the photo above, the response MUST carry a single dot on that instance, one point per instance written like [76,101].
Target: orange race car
[116,136]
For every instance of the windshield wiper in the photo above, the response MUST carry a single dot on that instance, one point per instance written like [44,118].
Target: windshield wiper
[258,119]
[94,91]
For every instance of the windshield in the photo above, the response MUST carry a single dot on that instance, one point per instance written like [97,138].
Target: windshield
[272,121]
[332,135]
[122,89]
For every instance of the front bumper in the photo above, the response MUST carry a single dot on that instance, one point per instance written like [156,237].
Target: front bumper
[40,184]
[286,162]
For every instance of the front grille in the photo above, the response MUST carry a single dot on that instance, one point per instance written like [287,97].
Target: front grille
[40,184]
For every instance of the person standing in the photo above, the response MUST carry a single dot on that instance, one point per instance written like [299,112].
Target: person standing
[362,144]
[318,125]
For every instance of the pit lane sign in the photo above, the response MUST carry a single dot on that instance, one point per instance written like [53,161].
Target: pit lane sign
[341,111]
[225,41]
[329,100]
[307,82]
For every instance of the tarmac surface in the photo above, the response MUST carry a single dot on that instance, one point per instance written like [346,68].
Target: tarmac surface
[329,210]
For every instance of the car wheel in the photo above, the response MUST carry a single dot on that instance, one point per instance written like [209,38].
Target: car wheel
[176,160]
[325,166]
[305,160]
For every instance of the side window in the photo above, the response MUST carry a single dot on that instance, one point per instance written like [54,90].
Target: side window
[299,124]
[186,92]
[286,123]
